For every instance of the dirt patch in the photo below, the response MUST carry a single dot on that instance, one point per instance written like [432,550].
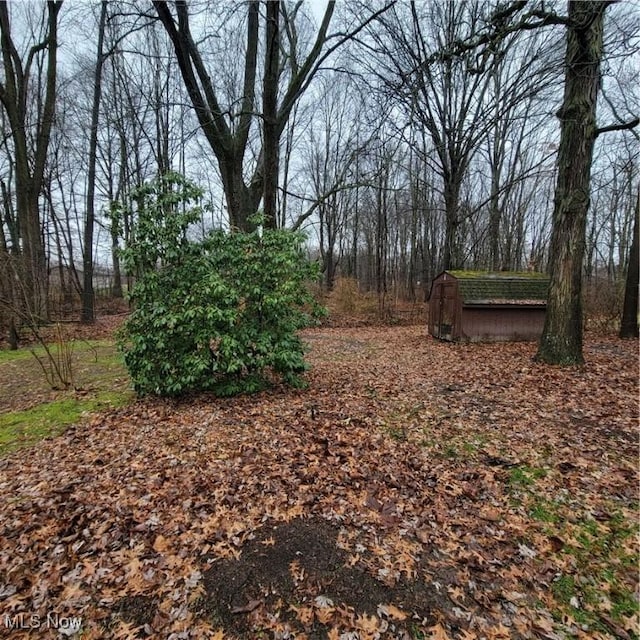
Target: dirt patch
[299,564]
[138,610]
[296,574]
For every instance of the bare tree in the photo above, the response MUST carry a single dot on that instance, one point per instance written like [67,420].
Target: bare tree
[562,336]
[561,341]
[88,312]
[524,78]
[29,164]
[334,145]
[271,135]
[227,129]
[445,95]
[629,323]
[143,129]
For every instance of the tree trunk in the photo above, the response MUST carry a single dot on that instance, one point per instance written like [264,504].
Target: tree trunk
[88,298]
[270,114]
[452,257]
[629,324]
[7,298]
[33,270]
[561,340]
[116,291]
[241,201]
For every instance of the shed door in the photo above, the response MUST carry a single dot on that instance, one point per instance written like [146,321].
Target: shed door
[446,312]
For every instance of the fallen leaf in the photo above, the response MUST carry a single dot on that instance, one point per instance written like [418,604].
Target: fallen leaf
[247,608]
[391,611]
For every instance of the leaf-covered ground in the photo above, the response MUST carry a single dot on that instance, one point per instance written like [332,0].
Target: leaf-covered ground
[415,490]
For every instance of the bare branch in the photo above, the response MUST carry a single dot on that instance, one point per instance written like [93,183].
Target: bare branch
[622,126]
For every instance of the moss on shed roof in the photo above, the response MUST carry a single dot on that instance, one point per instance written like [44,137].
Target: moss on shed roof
[511,287]
[530,275]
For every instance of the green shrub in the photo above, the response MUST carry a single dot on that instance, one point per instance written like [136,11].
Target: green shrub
[221,314]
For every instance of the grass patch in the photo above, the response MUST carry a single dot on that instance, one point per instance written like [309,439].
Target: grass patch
[453,448]
[545,511]
[26,352]
[598,558]
[603,557]
[22,428]
[19,354]
[30,410]
[522,476]
[591,600]
[564,589]
[450,452]
[397,434]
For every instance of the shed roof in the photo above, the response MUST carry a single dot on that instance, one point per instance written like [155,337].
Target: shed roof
[502,287]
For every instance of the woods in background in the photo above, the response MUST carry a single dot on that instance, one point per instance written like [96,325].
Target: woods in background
[404,138]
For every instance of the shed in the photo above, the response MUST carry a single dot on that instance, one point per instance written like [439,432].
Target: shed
[482,306]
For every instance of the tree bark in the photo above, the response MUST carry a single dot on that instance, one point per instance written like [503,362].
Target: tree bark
[561,340]
[629,323]
[270,114]
[88,297]
[452,253]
